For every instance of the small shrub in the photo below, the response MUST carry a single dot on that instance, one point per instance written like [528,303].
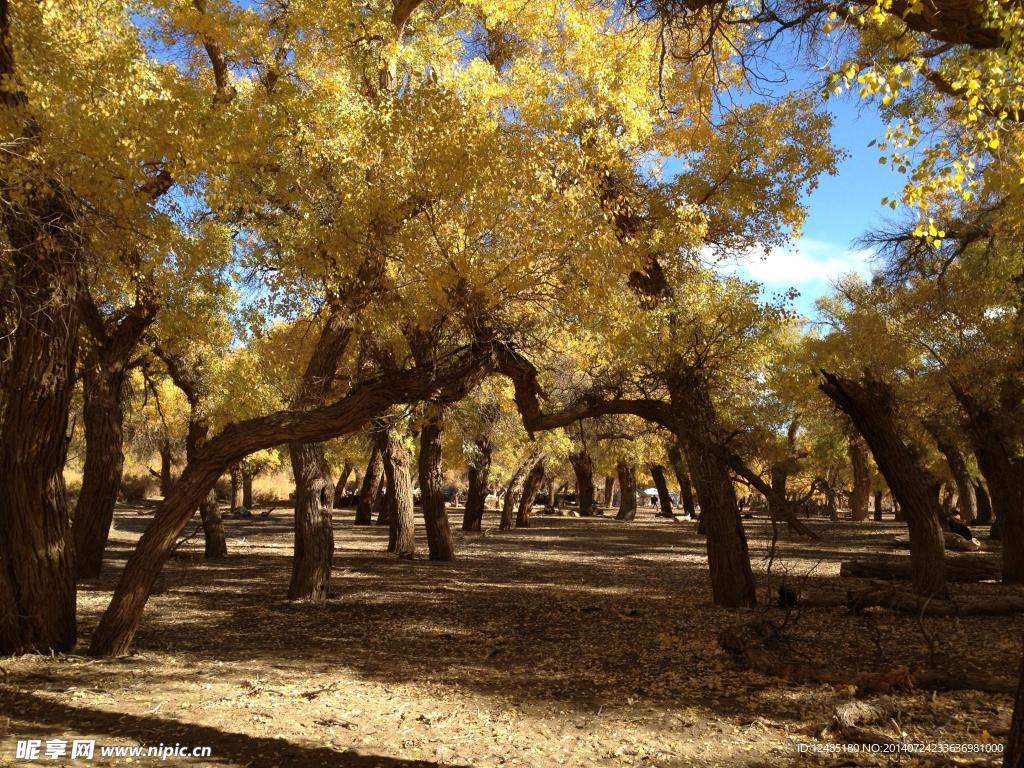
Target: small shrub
[136,487]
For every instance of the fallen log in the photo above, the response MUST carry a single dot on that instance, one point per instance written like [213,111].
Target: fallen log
[907,602]
[954,542]
[962,568]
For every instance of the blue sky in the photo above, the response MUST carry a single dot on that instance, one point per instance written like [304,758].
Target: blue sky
[840,210]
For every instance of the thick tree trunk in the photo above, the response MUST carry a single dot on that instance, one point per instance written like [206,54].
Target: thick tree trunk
[1003,470]
[583,468]
[627,491]
[609,489]
[371,488]
[396,458]
[675,457]
[314,533]
[878,506]
[435,516]
[342,484]
[966,499]
[213,527]
[871,405]
[664,500]
[732,580]
[984,504]
[529,495]
[479,477]
[103,413]
[858,453]
[37,584]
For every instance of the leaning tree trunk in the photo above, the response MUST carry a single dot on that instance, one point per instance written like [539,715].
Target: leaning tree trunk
[609,489]
[529,495]
[872,407]
[435,516]
[371,488]
[627,491]
[339,487]
[103,413]
[583,468]
[381,505]
[216,545]
[512,494]
[664,500]
[966,500]
[314,533]
[732,580]
[479,476]
[859,496]
[675,457]
[399,499]
[37,584]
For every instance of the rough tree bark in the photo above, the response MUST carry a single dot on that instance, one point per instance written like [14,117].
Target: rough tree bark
[216,545]
[871,405]
[513,492]
[37,586]
[857,450]
[479,477]
[247,477]
[530,487]
[583,468]
[342,484]
[371,488]
[166,481]
[989,427]
[396,458]
[664,500]
[984,504]
[435,516]
[236,488]
[627,491]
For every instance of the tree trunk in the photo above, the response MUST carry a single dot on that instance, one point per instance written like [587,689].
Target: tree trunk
[859,496]
[37,584]
[399,498]
[213,527]
[512,493]
[342,484]
[732,580]
[435,516]
[675,457]
[479,476]
[627,491]
[314,532]
[103,413]
[247,477]
[878,506]
[236,488]
[1004,475]
[984,504]
[664,500]
[609,489]
[1013,755]
[529,495]
[871,405]
[381,505]
[583,468]
[166,481]
[371,488]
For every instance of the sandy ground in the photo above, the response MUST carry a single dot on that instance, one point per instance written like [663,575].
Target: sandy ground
[576,642]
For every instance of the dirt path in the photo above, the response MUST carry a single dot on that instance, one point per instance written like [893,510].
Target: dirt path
[577,642]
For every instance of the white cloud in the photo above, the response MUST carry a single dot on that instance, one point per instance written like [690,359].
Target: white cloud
[811,266]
